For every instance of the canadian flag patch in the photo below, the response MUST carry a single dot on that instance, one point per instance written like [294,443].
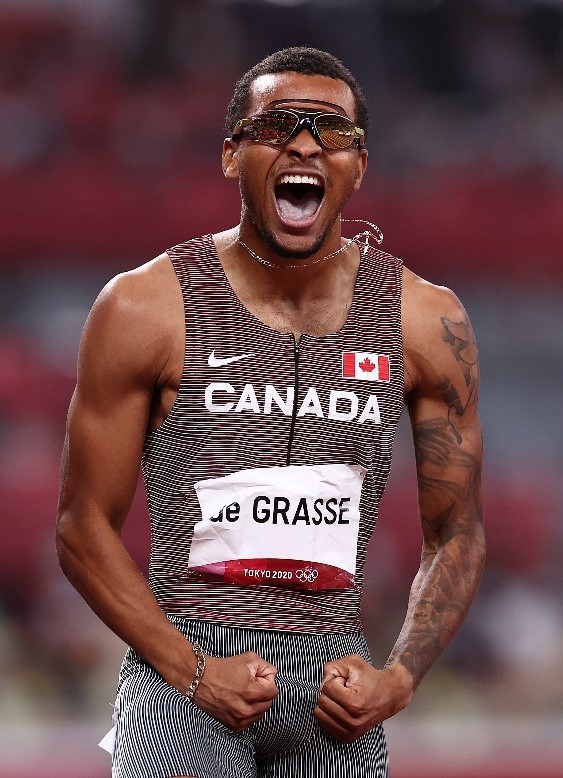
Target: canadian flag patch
[365,366]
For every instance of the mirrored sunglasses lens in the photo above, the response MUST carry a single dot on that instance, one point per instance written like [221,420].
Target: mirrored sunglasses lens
[271,128]
[335,131]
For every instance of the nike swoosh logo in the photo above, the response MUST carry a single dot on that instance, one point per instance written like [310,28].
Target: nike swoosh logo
[214,361]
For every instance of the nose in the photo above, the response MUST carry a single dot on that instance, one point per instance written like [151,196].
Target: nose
[304,145]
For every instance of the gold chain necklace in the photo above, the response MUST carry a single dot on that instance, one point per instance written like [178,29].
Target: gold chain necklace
[263,261]
[366,235]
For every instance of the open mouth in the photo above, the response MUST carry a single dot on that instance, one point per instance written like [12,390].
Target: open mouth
[298,197]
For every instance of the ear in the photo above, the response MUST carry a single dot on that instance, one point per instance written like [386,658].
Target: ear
[229,158]
[362,165]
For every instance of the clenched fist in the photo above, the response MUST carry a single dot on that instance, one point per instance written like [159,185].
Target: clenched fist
[355,696]
[237,690]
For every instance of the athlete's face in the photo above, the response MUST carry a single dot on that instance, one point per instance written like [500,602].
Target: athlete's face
[295,218]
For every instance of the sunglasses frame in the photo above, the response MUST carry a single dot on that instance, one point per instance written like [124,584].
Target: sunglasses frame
[304,120]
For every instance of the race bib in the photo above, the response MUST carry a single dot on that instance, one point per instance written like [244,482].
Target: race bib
[294,526]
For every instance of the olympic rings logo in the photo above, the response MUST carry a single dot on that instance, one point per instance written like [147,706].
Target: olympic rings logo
[307,575]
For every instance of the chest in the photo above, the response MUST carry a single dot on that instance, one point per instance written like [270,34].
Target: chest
[247,345]
[317,318]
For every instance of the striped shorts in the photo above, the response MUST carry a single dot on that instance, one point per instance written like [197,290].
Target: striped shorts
[160,733]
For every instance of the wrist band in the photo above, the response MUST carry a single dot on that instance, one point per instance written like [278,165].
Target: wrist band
[199,669]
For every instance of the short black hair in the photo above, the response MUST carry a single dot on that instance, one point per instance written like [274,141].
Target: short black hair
[296,59]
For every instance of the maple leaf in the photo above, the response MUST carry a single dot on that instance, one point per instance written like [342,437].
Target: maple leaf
[367,366]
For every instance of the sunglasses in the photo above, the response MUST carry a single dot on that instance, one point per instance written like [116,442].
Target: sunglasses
[278,126]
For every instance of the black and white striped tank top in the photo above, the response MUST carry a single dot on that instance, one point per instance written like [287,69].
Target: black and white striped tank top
[250,397]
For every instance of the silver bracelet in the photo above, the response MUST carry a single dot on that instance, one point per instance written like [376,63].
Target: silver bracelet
[199,670]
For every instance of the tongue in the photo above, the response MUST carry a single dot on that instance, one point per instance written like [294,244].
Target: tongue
[295,208]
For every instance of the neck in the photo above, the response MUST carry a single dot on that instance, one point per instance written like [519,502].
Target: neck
[299,265]
[276,277]
[293,252]
[315,300]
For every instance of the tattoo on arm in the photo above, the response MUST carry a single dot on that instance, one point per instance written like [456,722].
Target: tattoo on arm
[460,339]
[452,558]
[449,472]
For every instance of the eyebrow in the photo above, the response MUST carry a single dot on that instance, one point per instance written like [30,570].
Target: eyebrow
[305,100]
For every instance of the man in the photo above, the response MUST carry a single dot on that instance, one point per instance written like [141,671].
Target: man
[258,375]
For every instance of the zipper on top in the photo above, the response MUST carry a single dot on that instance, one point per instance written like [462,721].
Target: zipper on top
[295,397]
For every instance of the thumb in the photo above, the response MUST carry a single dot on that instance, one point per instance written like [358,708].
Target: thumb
[266,681]
[265,669]
[264,672]
[336,689]
[333,671]
[331,687]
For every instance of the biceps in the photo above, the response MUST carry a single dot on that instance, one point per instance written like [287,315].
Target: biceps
[448,460]
[102,456]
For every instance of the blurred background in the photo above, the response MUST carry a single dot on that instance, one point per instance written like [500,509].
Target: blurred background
[111,116]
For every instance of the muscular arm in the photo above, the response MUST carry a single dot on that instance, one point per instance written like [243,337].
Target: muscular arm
[441,392]
[121,360]
[442,402]
[128,371]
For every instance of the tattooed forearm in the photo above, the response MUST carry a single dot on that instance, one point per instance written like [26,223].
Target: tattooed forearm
[448,469]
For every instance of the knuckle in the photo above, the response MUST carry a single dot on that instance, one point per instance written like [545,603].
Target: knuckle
[246,711]
[353,707]
[357,708]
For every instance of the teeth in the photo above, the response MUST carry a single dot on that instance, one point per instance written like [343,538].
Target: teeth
[287,179]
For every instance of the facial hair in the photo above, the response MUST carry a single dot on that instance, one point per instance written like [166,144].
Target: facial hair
[269,237]
[274,245]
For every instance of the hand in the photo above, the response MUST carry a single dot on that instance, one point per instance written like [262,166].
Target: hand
[355,696]
[237,690]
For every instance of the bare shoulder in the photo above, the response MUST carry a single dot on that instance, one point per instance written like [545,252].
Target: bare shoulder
[139,292]
[424,304]
[438,338]
[135,317]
